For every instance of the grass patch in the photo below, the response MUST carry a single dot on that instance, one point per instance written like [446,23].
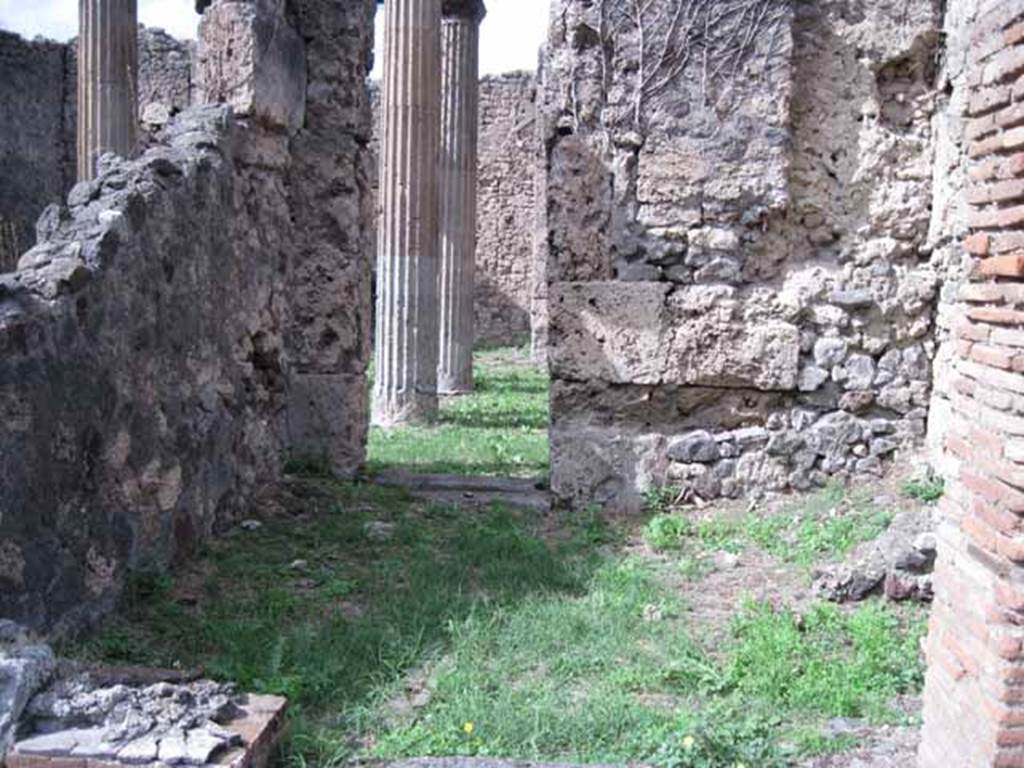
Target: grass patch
[501,428]
[927,490]
[826,661]
[521,641]
[334,632]
[825,525]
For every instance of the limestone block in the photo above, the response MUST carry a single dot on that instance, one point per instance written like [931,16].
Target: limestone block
[644,333]
[252,59]
[606,466]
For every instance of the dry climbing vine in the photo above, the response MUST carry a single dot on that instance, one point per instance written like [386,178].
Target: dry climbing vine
[712,38]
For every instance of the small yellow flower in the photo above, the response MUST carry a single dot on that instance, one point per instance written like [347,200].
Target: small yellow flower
[688,743]
[468,728]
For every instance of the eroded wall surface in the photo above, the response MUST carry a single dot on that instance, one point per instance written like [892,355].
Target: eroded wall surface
[35,168]
[38,123]
[192,319]
[742,284]
[505,209]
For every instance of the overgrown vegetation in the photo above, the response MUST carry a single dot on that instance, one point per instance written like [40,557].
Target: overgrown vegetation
[928,490]
[468,632]
[821,526]
[501,428]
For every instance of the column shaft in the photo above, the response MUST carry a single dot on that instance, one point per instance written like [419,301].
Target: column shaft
[459,136]
[108,56]
[405,388]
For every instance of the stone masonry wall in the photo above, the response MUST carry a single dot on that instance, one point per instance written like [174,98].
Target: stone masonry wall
[741,282]
[35,169]
[38,123]
[974,702]
[193,318]
[506,208]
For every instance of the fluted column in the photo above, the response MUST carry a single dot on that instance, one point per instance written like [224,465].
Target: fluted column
[405,387]
[460,53]
[108,66]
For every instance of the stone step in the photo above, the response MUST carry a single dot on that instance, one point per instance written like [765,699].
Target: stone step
[525,493]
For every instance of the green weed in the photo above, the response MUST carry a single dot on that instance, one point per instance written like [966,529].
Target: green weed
[927,490]
[826,662]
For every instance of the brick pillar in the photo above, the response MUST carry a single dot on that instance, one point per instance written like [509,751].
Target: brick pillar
[405,387]
[108,87]
[974,692]
[460,102]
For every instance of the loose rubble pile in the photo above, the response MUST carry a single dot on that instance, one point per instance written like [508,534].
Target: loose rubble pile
[24,668]
[898,563]
[175,724]
[128,716]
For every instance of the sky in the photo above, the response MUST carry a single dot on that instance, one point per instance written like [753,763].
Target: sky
[509,36]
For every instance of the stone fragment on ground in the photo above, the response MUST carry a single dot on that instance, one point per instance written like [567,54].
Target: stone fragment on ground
[467,490]
[897,564]
[25,667]
[81,716]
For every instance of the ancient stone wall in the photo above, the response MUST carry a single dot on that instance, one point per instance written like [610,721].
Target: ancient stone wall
[192,319]
[740,275]
[973,706]
[35,168]
[506,207]
[38,122]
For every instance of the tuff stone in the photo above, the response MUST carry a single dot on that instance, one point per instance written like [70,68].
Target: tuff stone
[694,447]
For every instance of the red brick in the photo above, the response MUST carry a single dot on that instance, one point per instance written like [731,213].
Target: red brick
[998,519]
[994,356]
[953,644]
[986,170]
[990,442]
[985,147]
[998,218]
[978,244]
[950,664]
[1010,737]
[997,315]
[1013,139]
[981,534]
[981,293]
[1014,35]
[972,331]
[958,446]
[1005,65]
[1013,166]
[1007,241]
[963,348]
[1009,596]
[1012,548]
[979,127]
[1007,191]
[989,99]
[993,491]
[1011,649]
[1011,337]
[1007,265]
[1010,117]
[28,761]
[1011,217]
[964,386]
[1000,714]
[1011,499]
